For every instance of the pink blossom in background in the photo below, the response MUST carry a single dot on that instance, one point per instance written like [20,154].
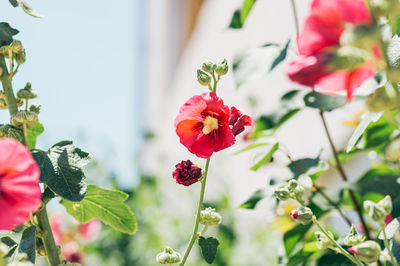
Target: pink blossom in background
[56,220]
[20,194]
[90,230]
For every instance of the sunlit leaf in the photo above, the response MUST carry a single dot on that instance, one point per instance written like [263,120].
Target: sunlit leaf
[33,133]
[266,158]
[253,200]
[240,15]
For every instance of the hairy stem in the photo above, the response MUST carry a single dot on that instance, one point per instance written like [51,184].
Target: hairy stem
[386,241]
[5,79]
[199,207]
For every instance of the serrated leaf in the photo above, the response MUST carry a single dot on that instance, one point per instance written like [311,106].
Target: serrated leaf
[12,245]
[323,102]
[266,158]
[209,247]
[105,205]
[253,200]
[240,15]
[28,9]
[33,133]
[28,243]
[366,119]
[6,34]
[61,170]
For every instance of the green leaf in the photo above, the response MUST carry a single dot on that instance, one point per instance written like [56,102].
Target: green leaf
[28,243]
[209,248]
[14,3]
[12,245]
[6,34]
[253,200]
[304,164]
[240,15]
[281,57]
[266,159]
[378,134]
[300,257]
[251,146]
[366,119]
[29,10]
[61,170]
[33,133]
[105,205]
[323,102]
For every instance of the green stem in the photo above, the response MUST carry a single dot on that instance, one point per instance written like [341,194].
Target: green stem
[5,79]
[47,237]
[340,248]
[25,130]
[386,241]
[215,82]
[199,207]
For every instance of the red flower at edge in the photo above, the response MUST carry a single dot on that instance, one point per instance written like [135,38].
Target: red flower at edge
[319,37]
[20,193]
[203,124]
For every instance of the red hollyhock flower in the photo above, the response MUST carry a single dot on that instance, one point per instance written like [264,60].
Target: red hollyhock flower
[186,173]
[203,124]
[319,37]
[20,193]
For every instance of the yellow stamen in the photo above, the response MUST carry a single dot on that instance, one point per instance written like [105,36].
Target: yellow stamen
[210,124]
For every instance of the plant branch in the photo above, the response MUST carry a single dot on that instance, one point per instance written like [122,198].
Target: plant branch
[199,207]
[5,79]
[296,17]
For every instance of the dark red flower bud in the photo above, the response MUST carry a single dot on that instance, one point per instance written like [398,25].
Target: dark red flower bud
[186,173]
[294,214]
[388,219]
[238,121]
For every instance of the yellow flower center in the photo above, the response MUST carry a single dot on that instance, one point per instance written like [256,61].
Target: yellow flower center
[210,124]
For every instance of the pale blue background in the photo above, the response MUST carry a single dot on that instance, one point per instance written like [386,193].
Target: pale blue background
[86,60]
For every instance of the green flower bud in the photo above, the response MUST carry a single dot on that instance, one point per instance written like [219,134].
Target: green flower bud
[210,217]
[392,150]
[20,102]
[27,92]
[20,58]
[35,107]
[30,119]
[222,68]
[353,238]
[16,47]
[360,36]
[347,57]
[8,131]
[296,190]
[368,251]
[203,78]
[208,67]
[3,104]
[168,256]
[323,241]
[376,212]
[302,215]
[386,204]
[282,193]
[3,249]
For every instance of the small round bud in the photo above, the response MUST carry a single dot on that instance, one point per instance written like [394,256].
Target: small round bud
[222,68]
[3,104]
[208,67]
[27,92]
[353,238]
[302,215]
[8,131]
[386,204]
[203,78]
[35,107]
[30,118]
[323,241]
[20,58]
[16,47]
[376,212]
[168,256]
[392,150]
[282,194]
[210,217]
[296,190]
[368,251]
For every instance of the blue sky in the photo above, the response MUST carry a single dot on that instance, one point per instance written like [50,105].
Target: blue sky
[85,59]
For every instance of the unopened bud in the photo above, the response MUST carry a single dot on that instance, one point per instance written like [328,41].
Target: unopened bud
[282,193]
[392,150]
[210,217]
[35,107]
[376,212]
[347,57]
[353,238]
[208,67]
[8,131]
[323,241]
[368,251]
[20,102]
[20,58]
[203,78]
[386,204]
[296,190]
[16,47]
[222,68]
[168,256]
[27,92]
[3,104]
[302,215]
[29,118]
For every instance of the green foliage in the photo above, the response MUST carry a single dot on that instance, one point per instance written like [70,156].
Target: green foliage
[252,146]
[28,243]
[209,248]
[281,57]
[253,200]
[105,205]
[304,164]
[266,158]
[61,170]
[33,133]
[6,34]
[240,15]
[14,3]
[12,245]
[323,102]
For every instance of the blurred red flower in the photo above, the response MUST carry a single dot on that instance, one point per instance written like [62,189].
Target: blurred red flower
[20,194]
[90,230]
[203,124]
[316,42]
